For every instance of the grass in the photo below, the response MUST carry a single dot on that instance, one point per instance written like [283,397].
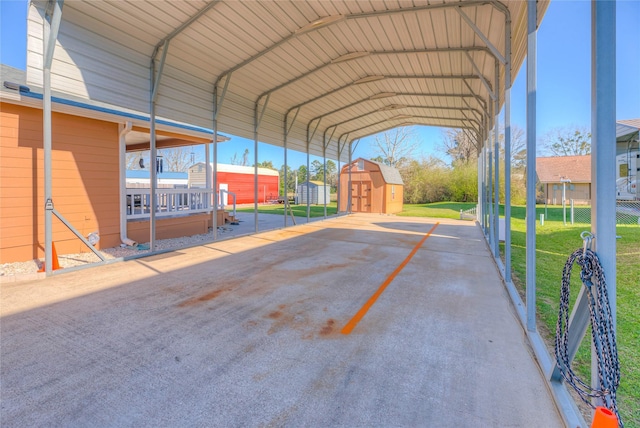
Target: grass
[437,209]
[554,243]
[298,210]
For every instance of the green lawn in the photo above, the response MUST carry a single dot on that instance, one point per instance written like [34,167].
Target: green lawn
[554,244]
[437,209]
[298,210]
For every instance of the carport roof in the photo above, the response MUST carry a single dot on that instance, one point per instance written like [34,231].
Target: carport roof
[344,69]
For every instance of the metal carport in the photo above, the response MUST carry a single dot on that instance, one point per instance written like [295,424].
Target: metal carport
[316,76]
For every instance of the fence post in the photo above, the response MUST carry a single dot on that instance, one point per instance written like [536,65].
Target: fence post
[572,213]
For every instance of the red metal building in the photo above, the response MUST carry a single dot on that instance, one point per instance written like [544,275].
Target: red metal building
[239,180]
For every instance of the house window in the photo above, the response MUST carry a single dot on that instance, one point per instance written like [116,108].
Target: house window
[360,166]
[393,191]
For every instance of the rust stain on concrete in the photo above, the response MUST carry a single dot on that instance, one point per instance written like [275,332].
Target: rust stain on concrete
[203,298]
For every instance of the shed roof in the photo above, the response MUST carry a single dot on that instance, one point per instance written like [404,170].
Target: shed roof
[553,169]
[345,68]
[390,175]
[314,182]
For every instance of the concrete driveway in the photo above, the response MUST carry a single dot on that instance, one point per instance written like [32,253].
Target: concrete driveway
[250,332]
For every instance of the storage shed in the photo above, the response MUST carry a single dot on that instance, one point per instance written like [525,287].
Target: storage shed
[375,187]
[318,192]
[239,180]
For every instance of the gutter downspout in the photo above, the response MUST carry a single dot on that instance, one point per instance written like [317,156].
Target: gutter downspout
[124,130]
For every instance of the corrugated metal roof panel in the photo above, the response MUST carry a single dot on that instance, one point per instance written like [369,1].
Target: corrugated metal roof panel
[259,40]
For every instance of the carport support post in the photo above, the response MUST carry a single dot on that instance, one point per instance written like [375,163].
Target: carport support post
[507,156]
[257,118]
[349,170]
[490,191]
[603,148]
[286,173]
[496,141]
[324,174]
[338,179]
[217,105]
[307,186]
[212,182]
[532,30]
[51,26]
[484,189]
[480,209]
[156,75]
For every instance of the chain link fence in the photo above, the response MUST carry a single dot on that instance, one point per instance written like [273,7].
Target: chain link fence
[627,212]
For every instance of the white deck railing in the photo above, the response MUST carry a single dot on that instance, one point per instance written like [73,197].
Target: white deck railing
[221,200]
[171,202]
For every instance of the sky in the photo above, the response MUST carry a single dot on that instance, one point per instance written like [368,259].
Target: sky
[563,76]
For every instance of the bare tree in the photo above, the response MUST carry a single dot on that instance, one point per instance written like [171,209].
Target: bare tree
[568,141]
[459,145]
[132,159]
[518,147]
[396,146]
[237,160]
[177,159]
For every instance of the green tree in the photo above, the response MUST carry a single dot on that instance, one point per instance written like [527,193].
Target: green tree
[291,180]
[317,170]
[267,164]
[302,173]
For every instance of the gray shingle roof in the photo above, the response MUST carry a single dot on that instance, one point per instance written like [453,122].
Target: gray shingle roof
[390,174]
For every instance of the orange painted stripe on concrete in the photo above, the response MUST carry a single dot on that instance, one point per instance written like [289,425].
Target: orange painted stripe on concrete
[363,310]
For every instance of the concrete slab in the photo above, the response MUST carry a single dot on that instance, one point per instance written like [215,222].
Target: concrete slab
[247,224]
[247,332]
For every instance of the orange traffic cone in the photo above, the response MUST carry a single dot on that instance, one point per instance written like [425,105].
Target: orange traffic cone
[604,418]
[55,265]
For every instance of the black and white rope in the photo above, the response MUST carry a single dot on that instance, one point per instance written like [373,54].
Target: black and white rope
[602,331]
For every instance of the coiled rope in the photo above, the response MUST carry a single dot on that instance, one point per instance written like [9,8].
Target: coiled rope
[602,330]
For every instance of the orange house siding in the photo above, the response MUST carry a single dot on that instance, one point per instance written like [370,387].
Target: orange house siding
[84,182]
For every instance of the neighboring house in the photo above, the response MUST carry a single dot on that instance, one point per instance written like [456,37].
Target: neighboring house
[317,192]
[238,180]
[572,172]
[375,187]
[89,144]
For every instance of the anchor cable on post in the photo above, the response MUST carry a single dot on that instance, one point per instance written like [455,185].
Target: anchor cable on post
[602,329]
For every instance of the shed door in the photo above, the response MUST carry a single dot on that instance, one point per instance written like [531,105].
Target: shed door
[361,196]
[365,199]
